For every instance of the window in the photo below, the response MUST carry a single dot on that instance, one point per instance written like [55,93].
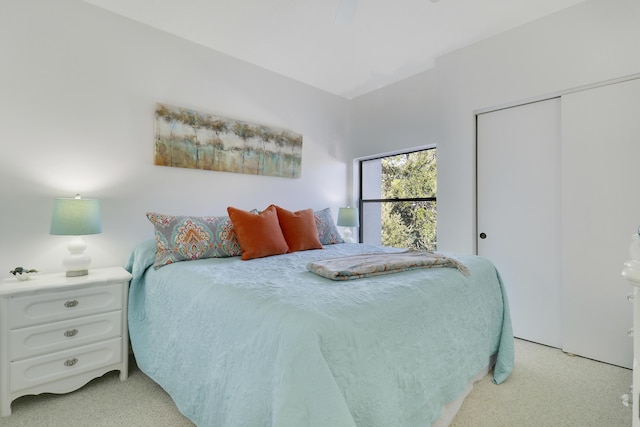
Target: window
[398,200]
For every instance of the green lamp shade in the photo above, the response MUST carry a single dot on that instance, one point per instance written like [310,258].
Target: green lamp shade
[348,217]
[76,217]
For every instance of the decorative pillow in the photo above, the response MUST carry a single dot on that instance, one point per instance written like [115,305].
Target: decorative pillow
[259,234]
[299,229]
[327,230]
[185,238]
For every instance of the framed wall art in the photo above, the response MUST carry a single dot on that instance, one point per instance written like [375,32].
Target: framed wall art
[190,139]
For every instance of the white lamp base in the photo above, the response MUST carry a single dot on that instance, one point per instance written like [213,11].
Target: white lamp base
[77,262]
[347,236]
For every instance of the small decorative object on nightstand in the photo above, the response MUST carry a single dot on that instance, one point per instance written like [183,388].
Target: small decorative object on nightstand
[348,217]
[76,217]
[57,333]
[23,274]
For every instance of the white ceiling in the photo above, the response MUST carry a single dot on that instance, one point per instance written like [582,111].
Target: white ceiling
[320,43]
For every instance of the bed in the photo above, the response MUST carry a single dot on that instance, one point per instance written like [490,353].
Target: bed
[266,342]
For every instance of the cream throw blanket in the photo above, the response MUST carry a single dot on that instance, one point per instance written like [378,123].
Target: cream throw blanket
[374,264]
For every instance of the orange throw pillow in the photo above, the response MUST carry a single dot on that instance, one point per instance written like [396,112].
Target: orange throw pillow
[259,235]
[299,229]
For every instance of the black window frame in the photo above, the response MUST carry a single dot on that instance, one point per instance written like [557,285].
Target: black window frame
[362,201]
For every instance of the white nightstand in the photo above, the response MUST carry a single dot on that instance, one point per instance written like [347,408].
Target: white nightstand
[57,333]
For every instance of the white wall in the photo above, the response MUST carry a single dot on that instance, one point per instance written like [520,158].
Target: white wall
[78,87]
[396,117]
[594,41]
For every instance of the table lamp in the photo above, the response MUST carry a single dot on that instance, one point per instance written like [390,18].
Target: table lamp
[76,217]
[348,217]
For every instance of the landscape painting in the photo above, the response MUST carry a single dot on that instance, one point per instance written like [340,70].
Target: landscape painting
[189,139]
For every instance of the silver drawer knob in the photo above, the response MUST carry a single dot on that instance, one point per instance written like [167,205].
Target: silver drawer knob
[630,296]
[71,333]
[71,303]
[70,362]
[630,332]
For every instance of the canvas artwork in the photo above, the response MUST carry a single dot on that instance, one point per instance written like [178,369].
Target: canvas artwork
[189,139]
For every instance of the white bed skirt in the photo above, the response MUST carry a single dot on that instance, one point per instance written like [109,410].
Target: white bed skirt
[449,410]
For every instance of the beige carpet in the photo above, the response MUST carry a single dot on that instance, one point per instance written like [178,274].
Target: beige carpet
[549,388]
[546,388]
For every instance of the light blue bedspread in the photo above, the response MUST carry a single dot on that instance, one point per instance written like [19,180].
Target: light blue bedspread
[267,343]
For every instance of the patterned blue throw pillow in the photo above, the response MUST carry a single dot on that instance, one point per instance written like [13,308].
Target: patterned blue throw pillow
[327,230]
[186,238]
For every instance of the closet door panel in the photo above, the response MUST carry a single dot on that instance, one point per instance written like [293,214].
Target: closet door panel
[600,212]
[518,176]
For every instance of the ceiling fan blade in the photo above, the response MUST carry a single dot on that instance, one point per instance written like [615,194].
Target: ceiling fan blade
[346,12]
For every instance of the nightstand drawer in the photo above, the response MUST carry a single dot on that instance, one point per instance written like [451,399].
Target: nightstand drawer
[52,337]
[52,367]
[50,307]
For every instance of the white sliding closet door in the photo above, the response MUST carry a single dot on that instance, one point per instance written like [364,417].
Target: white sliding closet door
[518,218]
[601,210]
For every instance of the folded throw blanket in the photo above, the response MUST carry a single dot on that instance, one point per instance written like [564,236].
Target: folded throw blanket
[373,264]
